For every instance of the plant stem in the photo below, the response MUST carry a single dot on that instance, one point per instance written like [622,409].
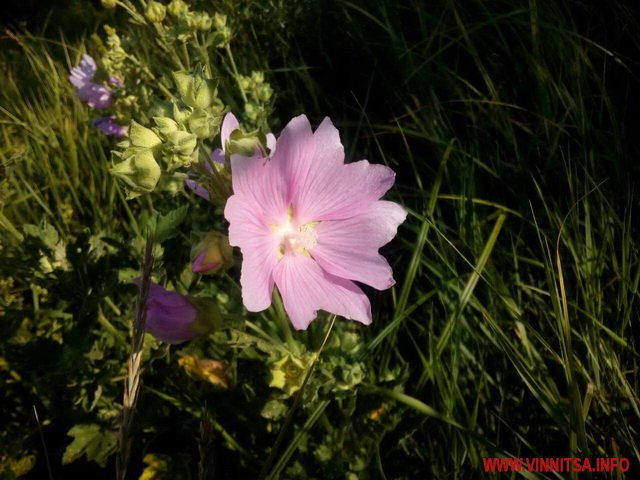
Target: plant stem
[284,322]
[235,72]
[134,364]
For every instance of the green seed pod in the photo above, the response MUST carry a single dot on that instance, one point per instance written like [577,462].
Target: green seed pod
[204,123]
[142,136]
[165,125]
[181,143]
[139,170]
[195,91]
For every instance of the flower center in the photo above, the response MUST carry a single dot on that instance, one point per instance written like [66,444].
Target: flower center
[293,237]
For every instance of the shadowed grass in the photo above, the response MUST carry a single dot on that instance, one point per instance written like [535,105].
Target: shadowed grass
[510,331]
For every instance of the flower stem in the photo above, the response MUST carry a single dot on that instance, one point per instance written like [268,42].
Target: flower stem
[284,322]
[235,72]
[134,367]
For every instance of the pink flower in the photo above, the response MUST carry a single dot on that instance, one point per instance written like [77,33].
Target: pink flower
[312,225]
[94,94]
[174,318]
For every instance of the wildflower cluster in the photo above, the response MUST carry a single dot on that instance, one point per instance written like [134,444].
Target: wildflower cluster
[97,95]
[308,225]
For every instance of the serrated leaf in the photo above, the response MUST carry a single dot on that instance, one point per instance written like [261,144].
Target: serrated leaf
[92,441]
[167,225]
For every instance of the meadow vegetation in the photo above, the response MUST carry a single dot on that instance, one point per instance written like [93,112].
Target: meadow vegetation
[512,127]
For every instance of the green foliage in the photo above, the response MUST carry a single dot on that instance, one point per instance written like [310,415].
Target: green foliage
[92,441]
[167,225]
[510,329]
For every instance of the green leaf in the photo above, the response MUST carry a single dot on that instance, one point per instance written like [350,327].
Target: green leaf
[167,225]
[92,441]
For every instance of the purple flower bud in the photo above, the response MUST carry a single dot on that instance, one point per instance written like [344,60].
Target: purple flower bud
[108,126]
[212,254]
[175,318]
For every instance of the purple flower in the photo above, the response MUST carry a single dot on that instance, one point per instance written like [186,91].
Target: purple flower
[116,82]
[108,126]
[311,225]
[83,73]
[196,187]
[175,318]
[94,94]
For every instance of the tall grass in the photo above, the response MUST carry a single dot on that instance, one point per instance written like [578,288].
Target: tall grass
[514,312]
[511,330]
[57,167]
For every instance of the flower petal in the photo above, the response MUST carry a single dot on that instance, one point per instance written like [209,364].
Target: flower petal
[295,151]
[329,150]
[229,124]
[96,96]
[258,179]
[170,315]
[306,288]
[271,144]
[197,188]
[217,156]
[349,248]
[259,251]
[83,73]
[108,126]
[341,192]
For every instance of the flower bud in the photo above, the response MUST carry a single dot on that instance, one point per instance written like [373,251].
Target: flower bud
[181,143]
[178,8]
[195,91]
[244,144]
[199,21]
[180,113]
[165,125]
[219,21]
[257,77]
[155,11]
[244,82]
[264,92]
[251,111]
[212,254]
[139,170]
[108,4]
[204,123]
[175,318]
[348,374]
[142,136]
